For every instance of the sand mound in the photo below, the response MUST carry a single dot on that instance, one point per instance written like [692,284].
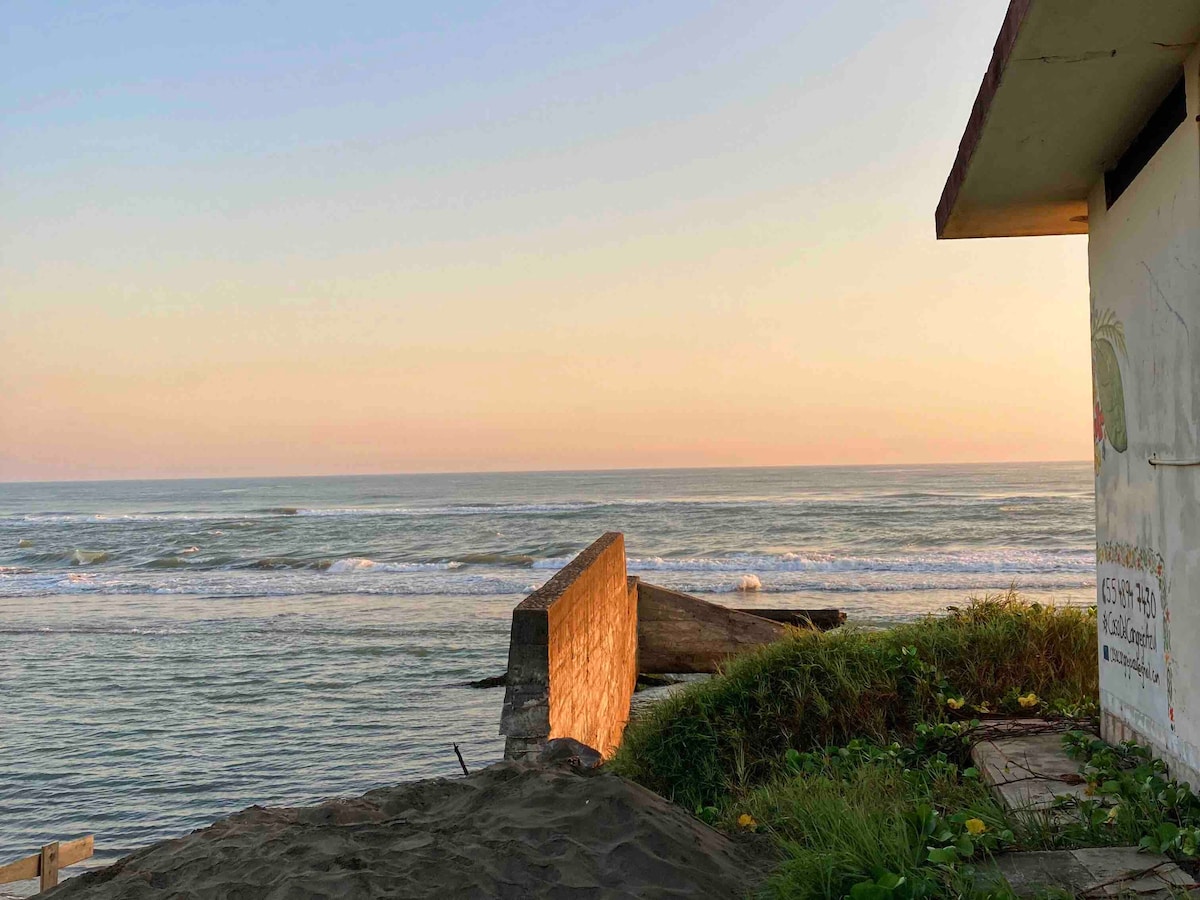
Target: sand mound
[512,830]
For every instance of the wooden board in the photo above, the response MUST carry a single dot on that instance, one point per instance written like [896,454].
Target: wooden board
[68,853]
[48,866]
[71,852]
[21,870]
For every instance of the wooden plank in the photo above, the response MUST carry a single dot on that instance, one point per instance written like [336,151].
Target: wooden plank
[48,866]
[820,619]
[68,853]
[21,870]
[681,633]
[71,852]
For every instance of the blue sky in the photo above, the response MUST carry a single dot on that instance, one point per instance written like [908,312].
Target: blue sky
[314,189]
[245,118]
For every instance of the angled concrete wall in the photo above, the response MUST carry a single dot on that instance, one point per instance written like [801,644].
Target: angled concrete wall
[572,656]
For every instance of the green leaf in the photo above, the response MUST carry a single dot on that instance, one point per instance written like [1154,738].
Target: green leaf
[1167,832]
[965,847]
[794,760]
[923,820]
[865,890]
[890,880]
[943,855]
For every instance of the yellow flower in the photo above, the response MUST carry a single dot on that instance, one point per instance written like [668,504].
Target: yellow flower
[1112,815]
[1029,700]
[745,820]
[975,826]
[955,703]
[1090,790]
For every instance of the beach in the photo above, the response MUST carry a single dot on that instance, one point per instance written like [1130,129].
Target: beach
[513,830]
[200,647]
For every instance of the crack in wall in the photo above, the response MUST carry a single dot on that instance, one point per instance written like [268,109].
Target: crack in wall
[1158,290]
[1108,53]
[1074,58]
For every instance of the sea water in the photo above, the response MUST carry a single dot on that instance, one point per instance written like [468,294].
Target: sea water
[174,651]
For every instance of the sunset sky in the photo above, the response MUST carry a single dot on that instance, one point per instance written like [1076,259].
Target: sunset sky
[291,238]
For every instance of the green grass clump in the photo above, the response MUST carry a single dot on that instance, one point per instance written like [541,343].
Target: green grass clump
[727,736]
[891,820]
[850,750]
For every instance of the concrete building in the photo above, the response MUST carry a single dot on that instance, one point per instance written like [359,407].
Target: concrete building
[1087,122]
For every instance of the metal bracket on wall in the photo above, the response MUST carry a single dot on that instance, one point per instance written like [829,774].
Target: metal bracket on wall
[1155,461]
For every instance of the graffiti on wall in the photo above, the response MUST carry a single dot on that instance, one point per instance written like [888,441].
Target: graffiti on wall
[1135,627]
[1108,391]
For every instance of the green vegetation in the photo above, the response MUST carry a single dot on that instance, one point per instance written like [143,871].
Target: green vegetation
[728,735]
[851,750]
[1133,801]
[870,822]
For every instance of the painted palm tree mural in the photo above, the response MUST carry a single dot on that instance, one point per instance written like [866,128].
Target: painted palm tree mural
[1108,391]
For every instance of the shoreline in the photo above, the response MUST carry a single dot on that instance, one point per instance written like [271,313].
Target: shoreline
[344,762]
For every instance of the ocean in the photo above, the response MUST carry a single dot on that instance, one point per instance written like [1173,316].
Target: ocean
[174,651]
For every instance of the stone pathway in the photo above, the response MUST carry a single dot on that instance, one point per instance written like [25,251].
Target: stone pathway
[1026,765]
[1095,873]
[1027,768]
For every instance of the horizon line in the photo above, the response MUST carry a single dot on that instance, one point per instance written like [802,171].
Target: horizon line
[565,471]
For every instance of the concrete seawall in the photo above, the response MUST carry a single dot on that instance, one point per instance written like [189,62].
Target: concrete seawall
[572,656]
[578,643]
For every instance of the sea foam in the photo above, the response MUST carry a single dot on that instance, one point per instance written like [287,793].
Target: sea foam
[358,564]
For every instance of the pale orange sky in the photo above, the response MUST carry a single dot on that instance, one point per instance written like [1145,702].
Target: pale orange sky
[583,273]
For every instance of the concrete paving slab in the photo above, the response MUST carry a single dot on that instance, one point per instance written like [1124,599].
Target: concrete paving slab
[1027,771]
[1094,873]
[1123,870]
[1029,873]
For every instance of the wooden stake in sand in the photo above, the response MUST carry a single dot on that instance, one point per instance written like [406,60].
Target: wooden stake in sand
[458,753]
[45,865]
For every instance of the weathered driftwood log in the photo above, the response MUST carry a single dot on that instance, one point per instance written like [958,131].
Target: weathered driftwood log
[681,633]
[820,619]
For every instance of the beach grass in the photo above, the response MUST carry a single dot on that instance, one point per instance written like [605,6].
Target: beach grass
[866,820]
[726,736]
[850,749]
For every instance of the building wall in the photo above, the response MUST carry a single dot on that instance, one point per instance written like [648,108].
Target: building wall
[572,661]
[1144,261]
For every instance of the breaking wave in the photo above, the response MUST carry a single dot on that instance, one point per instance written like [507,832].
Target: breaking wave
[404,580]
[354,564]
[748,583]
[1004,562]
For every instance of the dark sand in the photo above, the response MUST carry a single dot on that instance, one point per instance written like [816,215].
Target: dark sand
[512,830]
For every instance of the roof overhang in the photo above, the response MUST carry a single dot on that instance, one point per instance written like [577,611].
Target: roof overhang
[1070,85]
